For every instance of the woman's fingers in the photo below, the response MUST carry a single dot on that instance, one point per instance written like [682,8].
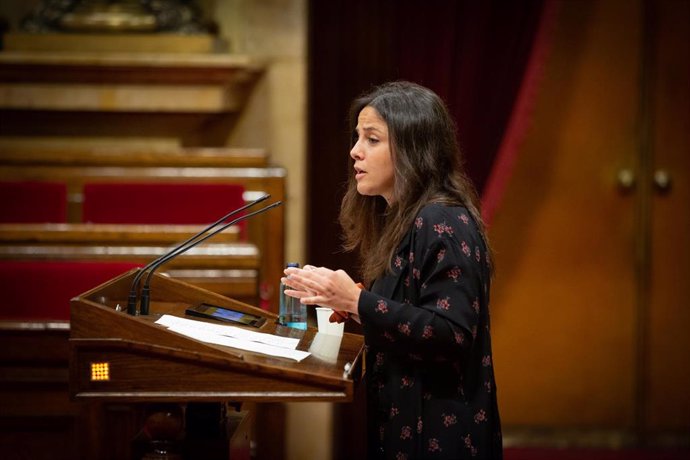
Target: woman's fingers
[305,279]
[322,286]
[305,297]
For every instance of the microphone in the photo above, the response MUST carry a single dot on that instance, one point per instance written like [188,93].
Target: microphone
[145,292]
[132,299]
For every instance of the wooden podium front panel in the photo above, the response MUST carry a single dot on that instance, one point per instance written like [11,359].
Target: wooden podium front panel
[147,362]
[139,372]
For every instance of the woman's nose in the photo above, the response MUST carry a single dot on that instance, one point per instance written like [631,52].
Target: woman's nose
[355,152]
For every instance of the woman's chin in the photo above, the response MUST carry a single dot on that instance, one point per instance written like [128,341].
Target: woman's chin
[362,190]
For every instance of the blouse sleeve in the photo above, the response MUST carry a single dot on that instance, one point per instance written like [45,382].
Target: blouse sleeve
[446,275]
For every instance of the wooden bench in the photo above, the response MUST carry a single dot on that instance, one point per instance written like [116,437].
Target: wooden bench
[226,265]
[266,231]
[76,154]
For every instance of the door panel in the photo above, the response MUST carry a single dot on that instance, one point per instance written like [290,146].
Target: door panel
[669,314]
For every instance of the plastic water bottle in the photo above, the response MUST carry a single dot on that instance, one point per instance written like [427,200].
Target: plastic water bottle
[293,313]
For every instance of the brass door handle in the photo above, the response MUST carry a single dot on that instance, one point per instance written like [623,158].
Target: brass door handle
[662,181]
[626,180]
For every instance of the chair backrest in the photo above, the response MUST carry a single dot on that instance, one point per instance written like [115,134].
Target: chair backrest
[33,202]
[159,202]
[41,290]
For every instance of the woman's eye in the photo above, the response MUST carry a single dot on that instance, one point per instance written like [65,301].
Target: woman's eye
[373,140]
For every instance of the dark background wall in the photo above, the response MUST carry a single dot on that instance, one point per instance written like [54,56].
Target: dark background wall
[472,54]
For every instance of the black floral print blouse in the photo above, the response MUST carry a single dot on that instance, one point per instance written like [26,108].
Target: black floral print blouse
[430,382]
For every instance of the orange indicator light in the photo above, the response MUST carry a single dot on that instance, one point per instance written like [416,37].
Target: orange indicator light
[100,371]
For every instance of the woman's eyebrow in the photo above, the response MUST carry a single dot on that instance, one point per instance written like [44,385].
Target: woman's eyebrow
[368,128]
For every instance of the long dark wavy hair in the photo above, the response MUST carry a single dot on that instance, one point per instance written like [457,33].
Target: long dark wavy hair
[428,167]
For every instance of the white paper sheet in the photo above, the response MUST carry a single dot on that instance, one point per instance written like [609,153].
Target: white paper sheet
[235,337]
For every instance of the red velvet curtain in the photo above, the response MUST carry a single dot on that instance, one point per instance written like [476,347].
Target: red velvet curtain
[472,53]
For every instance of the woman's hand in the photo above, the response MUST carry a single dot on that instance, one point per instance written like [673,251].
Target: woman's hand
[323,286]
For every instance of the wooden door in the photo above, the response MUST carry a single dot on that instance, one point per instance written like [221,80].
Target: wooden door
[589,325]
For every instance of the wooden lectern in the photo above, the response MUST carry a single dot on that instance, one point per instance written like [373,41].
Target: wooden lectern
[129,365]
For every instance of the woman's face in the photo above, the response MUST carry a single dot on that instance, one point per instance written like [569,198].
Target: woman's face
[372,154]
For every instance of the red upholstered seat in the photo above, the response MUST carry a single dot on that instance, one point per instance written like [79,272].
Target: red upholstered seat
[159,202]
[33,202]
[41,290]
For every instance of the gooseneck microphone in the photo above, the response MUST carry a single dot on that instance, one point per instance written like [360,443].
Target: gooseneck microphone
[132,299]
[146,291]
